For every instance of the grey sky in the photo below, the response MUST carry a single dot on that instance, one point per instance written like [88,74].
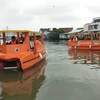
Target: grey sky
[36,14]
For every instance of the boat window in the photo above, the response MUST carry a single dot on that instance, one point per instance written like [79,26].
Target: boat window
[10,36]
[31,41]
[1,39]
[22,37]
[38,37]
[6,39]
[95,26]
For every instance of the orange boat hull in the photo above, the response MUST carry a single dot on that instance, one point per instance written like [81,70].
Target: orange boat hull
[84,45]
[32,60]
[23,60]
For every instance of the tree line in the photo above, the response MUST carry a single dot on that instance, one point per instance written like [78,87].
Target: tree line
[54,34]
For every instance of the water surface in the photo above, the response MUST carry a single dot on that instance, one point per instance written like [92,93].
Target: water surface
[64,75]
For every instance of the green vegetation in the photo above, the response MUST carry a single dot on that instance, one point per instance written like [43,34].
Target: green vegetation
[54,34]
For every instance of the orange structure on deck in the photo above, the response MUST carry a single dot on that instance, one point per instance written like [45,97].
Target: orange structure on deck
[85,44]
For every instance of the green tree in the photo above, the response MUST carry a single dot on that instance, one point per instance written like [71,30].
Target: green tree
[54,34]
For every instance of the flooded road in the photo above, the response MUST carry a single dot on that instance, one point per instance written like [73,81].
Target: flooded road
[64,75]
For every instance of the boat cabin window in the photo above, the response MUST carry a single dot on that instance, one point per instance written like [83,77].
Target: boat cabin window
[11,38]
[31,39]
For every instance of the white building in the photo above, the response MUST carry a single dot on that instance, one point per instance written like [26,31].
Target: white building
[86,27]
[95,25]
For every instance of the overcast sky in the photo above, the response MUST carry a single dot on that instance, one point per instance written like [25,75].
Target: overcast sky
[36,14]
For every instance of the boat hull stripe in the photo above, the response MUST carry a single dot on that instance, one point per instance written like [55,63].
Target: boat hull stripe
[31,59]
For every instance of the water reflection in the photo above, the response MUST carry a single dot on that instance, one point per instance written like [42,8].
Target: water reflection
[22,85]
[85,57]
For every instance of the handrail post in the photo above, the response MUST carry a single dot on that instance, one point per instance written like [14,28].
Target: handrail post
[27,41]
[4,38]
[35,49]
[18,37]
[42,39]
[84,37]
[99,38]
[92,38]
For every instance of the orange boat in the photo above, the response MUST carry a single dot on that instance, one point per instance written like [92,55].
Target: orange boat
[26,84]
[84,44]
[18,53]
